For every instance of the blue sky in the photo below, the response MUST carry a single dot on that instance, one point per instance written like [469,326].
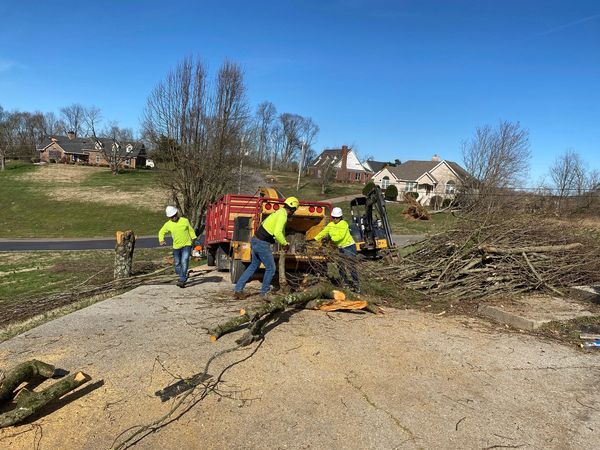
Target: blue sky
[396,79]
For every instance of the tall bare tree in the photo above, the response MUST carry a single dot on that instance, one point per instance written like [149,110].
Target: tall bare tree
[198,127]
[497,157]
[265,116]
[74,118]
[291,127]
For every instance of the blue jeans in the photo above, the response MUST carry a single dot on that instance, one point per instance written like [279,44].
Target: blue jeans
[261,252]
[181,259]
[348,264]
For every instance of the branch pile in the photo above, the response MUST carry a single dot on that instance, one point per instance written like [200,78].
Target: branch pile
[496,253]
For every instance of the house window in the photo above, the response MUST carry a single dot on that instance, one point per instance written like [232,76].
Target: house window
[385,182]
[97,159]
[450,187]
[357,176]
[410,186]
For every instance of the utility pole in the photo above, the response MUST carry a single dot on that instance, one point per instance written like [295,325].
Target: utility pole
[300,164]
[272,139]
[242,154]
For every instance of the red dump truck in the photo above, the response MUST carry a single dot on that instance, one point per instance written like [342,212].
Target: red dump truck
[233,219]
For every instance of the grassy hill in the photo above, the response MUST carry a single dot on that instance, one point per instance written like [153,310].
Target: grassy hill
[77,201]
[310,188]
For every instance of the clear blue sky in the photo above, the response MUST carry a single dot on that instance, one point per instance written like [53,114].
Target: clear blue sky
[397,79]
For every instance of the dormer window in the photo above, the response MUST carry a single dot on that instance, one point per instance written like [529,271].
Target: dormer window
[129,148]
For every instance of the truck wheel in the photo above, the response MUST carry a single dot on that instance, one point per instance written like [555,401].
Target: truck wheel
[222,260]
[236,269]
[210,257]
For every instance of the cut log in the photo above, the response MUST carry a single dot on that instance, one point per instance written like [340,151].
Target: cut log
[124,254]
[23,372]
[256,320]
[283,284]
[29,402]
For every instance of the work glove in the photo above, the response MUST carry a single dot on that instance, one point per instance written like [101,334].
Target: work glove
[286,248]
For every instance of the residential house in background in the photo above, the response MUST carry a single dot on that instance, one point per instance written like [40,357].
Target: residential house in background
[433,180]
[71,149]
[346,165]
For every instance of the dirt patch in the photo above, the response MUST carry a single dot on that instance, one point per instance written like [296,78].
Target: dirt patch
[60,173]
[153,199]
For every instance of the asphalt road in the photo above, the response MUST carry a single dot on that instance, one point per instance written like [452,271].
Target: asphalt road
[9,245]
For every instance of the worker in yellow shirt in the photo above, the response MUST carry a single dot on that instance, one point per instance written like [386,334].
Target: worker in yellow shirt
[183,234]
[338,231]
[270,230]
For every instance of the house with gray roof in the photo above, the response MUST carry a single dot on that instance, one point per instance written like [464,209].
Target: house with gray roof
[71,149]
[433,181]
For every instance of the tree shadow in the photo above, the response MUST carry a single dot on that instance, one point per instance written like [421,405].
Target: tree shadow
[203,280]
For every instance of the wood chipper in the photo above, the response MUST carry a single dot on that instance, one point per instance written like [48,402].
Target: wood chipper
[233,219]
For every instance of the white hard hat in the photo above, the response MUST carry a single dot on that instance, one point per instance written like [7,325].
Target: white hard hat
[170,211]
[337,212]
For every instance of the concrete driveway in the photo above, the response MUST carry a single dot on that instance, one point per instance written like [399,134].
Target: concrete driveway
[404,379]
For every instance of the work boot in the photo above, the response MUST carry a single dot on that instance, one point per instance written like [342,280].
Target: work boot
[268,297]
[239,295]
[181,284]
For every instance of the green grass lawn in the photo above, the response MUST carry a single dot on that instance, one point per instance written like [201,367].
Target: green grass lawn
[25,275]
[310,189]
[28,208]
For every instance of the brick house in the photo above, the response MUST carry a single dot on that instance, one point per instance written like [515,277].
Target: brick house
[433,180]
[71,149]
[346,165]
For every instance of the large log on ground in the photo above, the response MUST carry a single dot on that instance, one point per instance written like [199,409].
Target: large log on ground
[29,402]
[26,371]
[124,254]
[256,320]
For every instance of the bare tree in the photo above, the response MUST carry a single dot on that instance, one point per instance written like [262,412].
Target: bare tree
[497,158]
[566,174]
[265,116]
[92,118]
[291,127]
[326,174]
[74,118]
[198,129]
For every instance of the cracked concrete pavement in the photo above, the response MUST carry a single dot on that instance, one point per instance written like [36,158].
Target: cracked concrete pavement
[405,379]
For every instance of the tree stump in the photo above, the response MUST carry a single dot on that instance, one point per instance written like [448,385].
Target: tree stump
[124,254]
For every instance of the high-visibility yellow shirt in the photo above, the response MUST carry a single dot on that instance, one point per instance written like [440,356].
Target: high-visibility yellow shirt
[181,232]
[338,232]
[275,225]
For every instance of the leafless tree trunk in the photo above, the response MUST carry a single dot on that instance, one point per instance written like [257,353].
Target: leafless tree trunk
[265,118]
[497,158]
[74,117]
[327,175]
[197,128]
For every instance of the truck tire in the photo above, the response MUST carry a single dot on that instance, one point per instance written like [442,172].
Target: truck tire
[222,260]
[210,257]
[236,269]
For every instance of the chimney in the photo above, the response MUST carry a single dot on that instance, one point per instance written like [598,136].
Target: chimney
[435,158]
[344,168]
[71,135]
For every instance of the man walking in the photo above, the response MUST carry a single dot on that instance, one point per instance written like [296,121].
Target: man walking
[272,229]
[183,234]
[338,231]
